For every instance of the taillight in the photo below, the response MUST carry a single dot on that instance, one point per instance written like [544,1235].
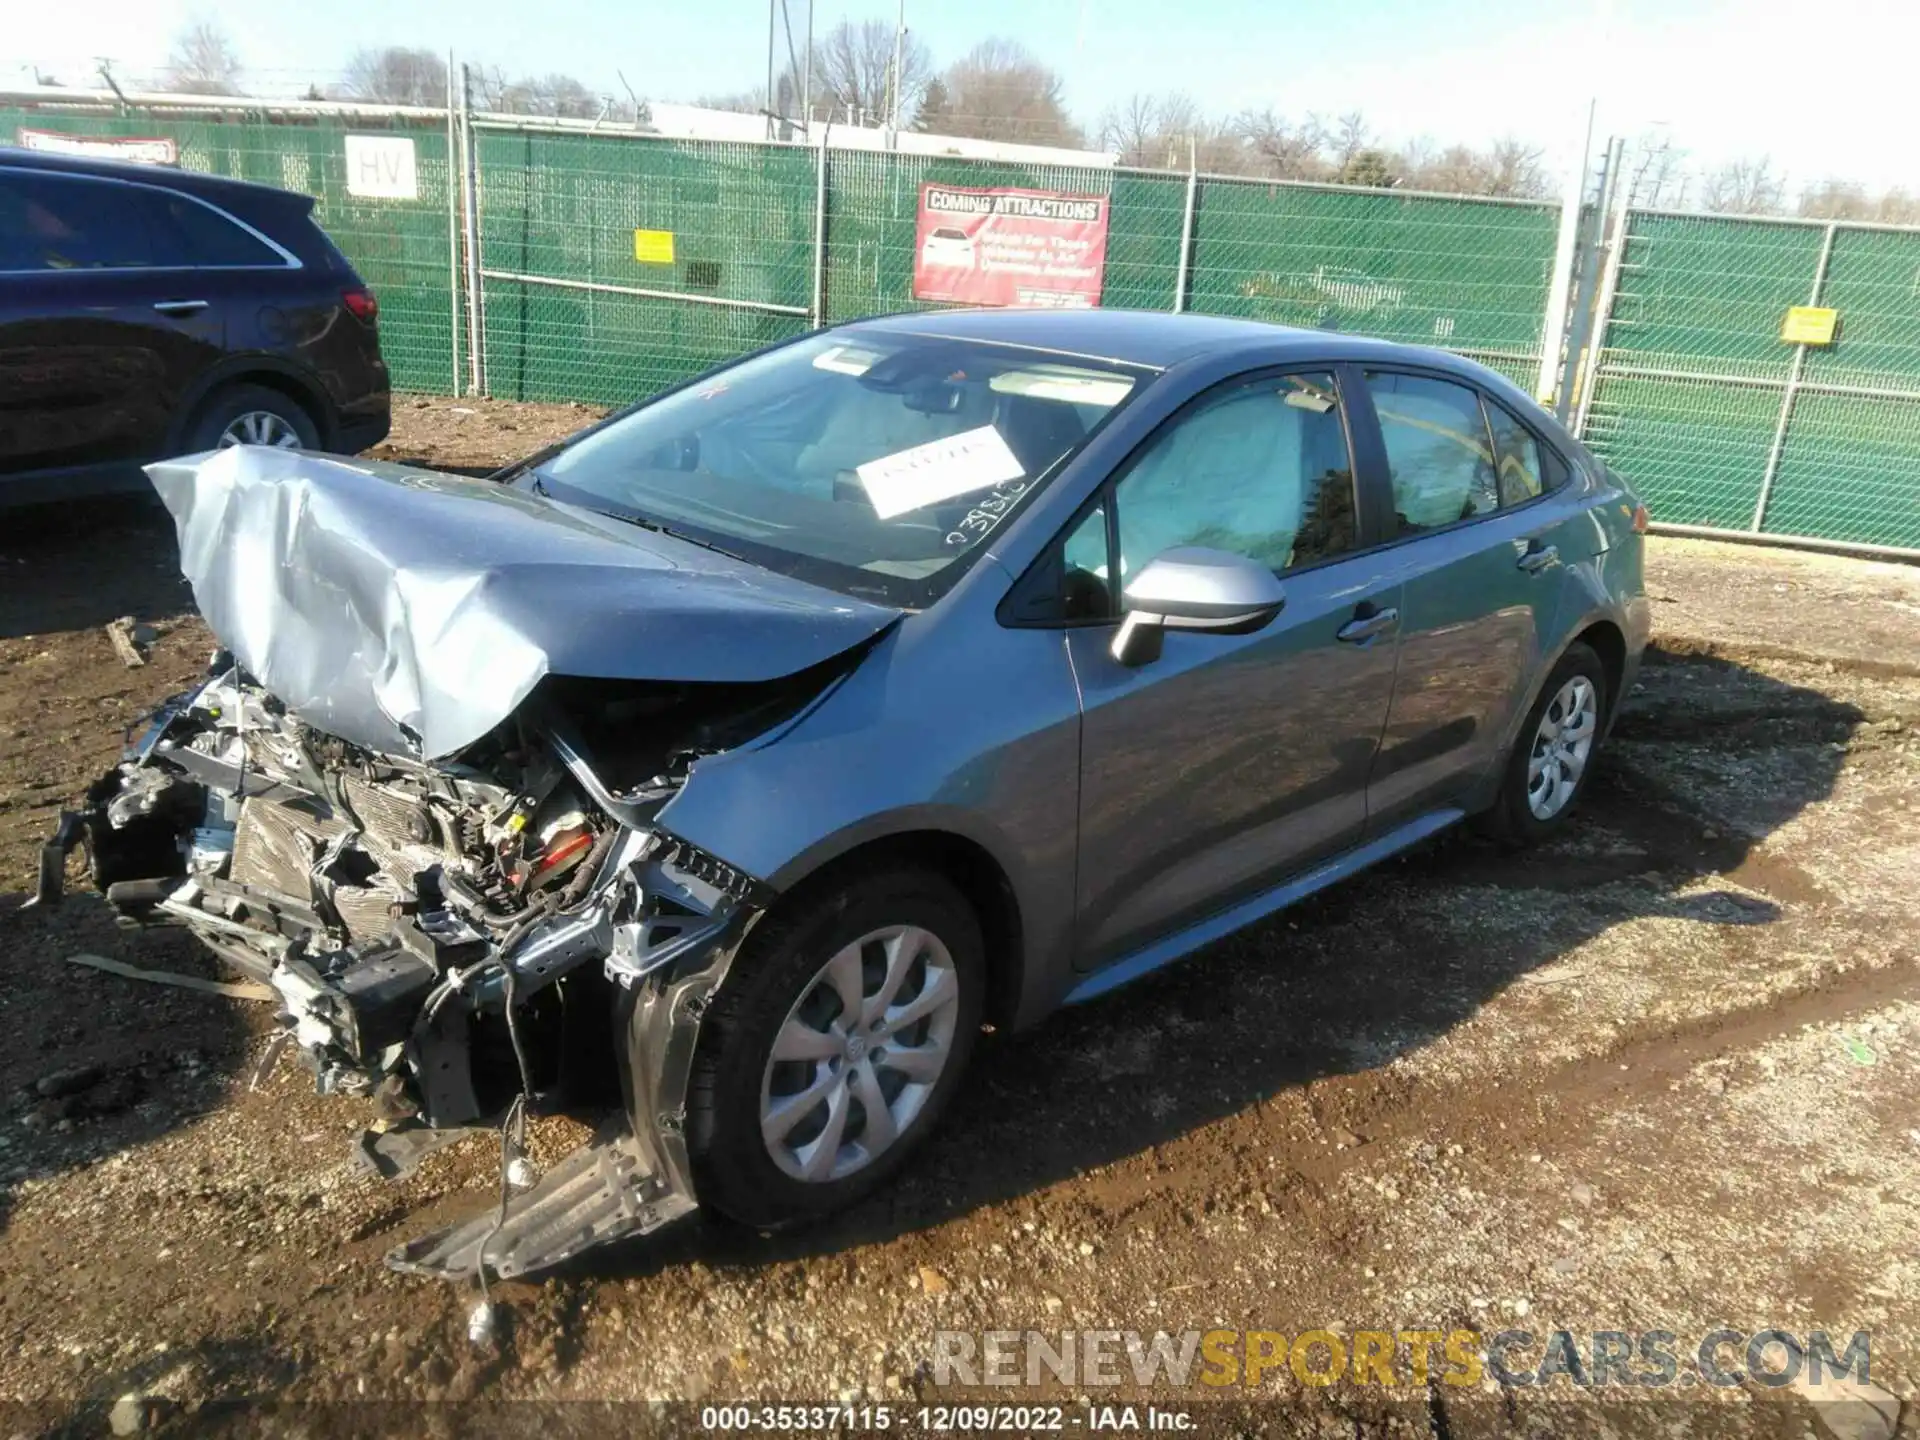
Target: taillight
[362,304]
[1641,519]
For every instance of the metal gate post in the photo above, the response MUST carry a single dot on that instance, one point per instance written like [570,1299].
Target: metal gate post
[818,315]
[455,187]
[1581,325]
[470,220]
[1553,330]
[1609,293]
[1186,229]
[1792,390]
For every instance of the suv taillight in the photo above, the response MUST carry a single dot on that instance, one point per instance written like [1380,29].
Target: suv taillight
[362,304]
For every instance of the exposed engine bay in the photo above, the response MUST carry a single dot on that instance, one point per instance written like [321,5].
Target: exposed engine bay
[501,931]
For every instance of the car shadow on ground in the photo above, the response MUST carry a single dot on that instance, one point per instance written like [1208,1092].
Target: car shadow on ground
[79,564]
[1352,979]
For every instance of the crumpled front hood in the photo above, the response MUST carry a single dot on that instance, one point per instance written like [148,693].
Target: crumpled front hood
[410,612]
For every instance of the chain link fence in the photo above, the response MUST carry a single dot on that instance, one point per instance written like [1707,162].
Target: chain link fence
[615,266]
[1468,275]
[400,247]
[612,265]
[573,309]
[1720,423]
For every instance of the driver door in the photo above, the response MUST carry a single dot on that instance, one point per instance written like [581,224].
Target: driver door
[1214,771]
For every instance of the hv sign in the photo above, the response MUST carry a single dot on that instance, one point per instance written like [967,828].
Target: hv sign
[381,167]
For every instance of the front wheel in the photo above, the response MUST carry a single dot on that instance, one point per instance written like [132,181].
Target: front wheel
[1554,754]
[838,1038]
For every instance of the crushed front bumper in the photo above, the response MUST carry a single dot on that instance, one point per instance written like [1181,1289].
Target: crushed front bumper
[413,1018]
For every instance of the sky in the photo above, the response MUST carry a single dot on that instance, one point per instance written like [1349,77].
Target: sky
[1825,89]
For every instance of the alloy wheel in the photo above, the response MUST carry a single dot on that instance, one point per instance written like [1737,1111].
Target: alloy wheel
[259,427]
[860,1053]
[1561,747]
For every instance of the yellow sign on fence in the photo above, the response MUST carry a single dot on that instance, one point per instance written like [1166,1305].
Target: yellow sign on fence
[1809,325]
[653,247]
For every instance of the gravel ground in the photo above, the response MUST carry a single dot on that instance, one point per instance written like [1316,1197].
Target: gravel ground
[1658,1075]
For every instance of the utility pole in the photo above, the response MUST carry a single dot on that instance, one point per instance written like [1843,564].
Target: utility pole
[773,7]
[806,78]
[899,53]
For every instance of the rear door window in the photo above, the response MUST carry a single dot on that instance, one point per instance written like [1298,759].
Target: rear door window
[54,222]
[1440,454]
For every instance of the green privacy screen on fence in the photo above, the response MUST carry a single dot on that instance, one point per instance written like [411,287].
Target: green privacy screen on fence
[1465,275]
[1696,398]
[400,247]
[558,215]
[566,208]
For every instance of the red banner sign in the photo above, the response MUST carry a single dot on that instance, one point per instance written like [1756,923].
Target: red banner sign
[1009,247]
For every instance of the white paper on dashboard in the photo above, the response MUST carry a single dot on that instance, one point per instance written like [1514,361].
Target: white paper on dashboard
[939,470]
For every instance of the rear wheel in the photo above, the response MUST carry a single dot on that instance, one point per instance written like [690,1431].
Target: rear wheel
[1554,754]
[837,1040]
[252,415]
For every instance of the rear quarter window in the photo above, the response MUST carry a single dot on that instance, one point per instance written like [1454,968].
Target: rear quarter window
[205,239]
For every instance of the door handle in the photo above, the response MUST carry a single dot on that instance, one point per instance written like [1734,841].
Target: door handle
[1363,628]
[1538,559]
[179,307]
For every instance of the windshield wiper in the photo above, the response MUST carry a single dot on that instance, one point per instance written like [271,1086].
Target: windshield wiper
[672,534]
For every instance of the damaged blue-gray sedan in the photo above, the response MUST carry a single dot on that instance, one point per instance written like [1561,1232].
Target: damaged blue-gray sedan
[725,769]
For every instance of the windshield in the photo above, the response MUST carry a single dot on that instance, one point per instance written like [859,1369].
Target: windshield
[876,465]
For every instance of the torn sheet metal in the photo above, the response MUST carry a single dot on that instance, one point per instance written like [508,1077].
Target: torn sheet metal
[410,612]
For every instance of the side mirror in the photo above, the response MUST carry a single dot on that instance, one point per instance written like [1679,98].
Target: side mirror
[1194,588]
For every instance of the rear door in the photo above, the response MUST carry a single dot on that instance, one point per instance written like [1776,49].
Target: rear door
[94,354]
[1479,532]
[1232,760]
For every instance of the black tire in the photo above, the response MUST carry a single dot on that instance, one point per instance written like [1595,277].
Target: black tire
[230,402]
[1511,818]
[734,1174]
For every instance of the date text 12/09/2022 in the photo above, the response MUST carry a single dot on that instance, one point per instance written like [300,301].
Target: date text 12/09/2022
[943,1419]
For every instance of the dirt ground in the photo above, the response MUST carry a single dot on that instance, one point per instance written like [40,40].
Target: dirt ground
[1659,1075]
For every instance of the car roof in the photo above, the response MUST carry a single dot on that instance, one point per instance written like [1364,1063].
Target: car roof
[166,177]
[1158,340]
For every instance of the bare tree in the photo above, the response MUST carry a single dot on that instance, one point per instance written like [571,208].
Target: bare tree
[1349,138]
[557,95]
[1655,171]
[1157,131]
[1745,187]
[203,62]
[1846,200]
[1508,167]
[396,75]
[1000,91]
[1130,128]
[1513,168]
[853,67]
[1282,149]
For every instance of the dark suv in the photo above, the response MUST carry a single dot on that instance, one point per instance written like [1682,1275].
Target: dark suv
[148,312]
